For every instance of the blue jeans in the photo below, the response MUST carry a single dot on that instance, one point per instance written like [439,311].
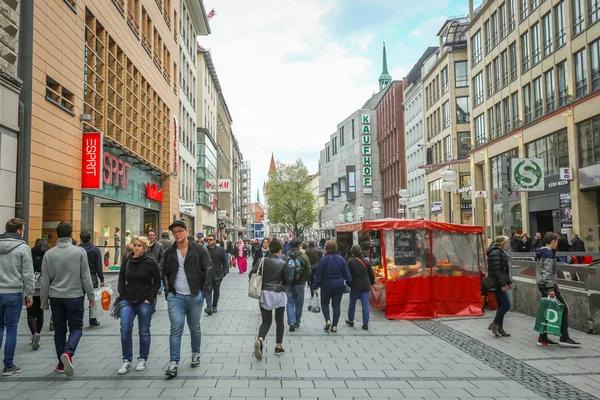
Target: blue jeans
[10,313]
[144,313]
[182,306]
[333,296]
[295,302]
[503,306]
[364,302]
[67,311]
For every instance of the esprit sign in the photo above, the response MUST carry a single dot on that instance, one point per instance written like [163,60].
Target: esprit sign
[116,171]
[91,161]
[366,150]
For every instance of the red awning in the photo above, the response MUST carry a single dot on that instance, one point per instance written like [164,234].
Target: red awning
[391,223]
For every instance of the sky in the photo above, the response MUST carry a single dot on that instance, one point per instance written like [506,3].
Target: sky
[291,70]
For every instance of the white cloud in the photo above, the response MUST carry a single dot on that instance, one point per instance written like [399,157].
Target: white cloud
[287,83]
[364,41]
[429,28]
[400,72]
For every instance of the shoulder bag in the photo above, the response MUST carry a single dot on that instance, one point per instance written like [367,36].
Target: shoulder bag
[255,284]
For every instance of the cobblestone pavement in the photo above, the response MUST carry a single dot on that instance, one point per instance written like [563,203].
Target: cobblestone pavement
[445,358]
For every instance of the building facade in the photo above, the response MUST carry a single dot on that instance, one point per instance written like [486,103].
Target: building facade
[246,189]
[237,196]
[225,192]
[193,22]
[415,138]
[10,88]
[535,70]
[447,125]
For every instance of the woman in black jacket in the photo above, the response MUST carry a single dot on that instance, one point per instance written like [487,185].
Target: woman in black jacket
[263,251]
[139,281]
[35,315]
[499,271]
[275,277]
[360,287]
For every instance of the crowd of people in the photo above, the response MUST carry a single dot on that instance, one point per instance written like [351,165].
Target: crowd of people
[521,243]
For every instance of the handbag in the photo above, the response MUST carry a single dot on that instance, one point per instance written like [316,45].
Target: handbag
[255,284]
[489,284]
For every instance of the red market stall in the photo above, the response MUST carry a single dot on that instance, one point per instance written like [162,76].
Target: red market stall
[423,269]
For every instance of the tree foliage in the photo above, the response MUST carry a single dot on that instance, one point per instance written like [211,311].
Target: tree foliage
[291,201]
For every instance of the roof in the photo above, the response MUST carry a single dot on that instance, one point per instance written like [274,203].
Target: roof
[391,223]
[415,72]
[272,167]
[374,101]
[222,101]
[210,65]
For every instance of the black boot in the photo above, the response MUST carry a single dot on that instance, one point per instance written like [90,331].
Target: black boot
[94,322]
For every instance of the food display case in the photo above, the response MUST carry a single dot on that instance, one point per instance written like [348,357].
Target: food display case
[423,269]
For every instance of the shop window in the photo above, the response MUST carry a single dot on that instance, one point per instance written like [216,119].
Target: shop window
[549,149]
[58,95]
[588,136]
[465,181]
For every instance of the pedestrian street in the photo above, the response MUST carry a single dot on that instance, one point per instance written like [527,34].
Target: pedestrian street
[445,358]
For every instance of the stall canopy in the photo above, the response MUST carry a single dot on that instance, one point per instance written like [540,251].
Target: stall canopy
[428,269]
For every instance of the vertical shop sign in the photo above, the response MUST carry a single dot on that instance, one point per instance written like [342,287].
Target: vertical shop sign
[91,161]
[566,215]
[366,150]
[175,145]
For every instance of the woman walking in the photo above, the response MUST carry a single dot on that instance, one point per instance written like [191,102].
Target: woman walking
[240,253]
[261,252]
[498,270]
[276,277]
[139,281]
[362,280]
[332,276]
[35,314]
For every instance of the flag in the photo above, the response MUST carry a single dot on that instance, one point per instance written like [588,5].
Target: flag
[211,14]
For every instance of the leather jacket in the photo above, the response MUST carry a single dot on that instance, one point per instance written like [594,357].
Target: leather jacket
[276,274]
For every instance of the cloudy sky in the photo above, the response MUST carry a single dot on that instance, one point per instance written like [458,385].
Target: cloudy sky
[291,70]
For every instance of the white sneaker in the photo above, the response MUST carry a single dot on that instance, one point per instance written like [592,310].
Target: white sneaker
[125,368]
[195,359]
[141,366]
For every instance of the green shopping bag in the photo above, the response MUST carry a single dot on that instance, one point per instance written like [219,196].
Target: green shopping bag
[549,316]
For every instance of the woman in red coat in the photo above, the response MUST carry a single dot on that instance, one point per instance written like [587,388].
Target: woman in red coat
[240,254]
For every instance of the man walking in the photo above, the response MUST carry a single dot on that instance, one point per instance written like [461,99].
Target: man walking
[65,280]
[165,241]
[228,251]
[155,250]
[187,274]
[16,280]
[219,267]
[546,276]
[300,264]
[314,256]
[94,258]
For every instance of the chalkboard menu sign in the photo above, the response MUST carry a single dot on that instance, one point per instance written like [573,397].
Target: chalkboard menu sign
[405,245]
[375,248]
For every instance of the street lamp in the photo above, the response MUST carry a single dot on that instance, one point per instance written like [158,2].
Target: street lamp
[360,212]
[404,200]
[449,185]
[376,208]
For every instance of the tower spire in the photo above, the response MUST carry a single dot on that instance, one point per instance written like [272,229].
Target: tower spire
[385,78]
[272,167]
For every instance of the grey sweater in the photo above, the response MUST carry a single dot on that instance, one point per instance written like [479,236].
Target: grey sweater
[65,273]
[16,266]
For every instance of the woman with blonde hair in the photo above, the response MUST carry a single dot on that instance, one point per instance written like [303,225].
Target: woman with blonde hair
[139,281]
[499,272]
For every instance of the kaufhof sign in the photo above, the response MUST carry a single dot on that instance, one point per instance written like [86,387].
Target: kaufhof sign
[366,151]
[91,161]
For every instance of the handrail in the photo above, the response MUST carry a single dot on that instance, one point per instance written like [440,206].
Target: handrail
[581,276]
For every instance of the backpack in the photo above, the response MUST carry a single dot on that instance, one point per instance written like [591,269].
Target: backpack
[295,268]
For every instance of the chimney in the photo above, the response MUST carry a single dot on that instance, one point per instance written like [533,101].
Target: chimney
[470,10]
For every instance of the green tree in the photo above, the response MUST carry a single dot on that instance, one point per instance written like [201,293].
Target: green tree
[291,201]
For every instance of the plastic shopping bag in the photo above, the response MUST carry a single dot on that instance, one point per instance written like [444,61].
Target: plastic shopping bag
[314,305]
[106,297]
[97,311]
[549,316]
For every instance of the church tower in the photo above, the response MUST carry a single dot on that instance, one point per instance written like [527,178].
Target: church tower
[385,78]
[272,168]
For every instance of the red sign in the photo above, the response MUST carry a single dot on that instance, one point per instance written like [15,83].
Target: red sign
[116,171]
[153,193]
[91,161]
[175,146]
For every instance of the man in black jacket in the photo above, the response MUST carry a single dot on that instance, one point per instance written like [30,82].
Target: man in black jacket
[295,292]
[94,257]
[219,267]
[187,273]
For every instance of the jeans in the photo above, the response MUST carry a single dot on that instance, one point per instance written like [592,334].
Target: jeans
[67,311]
[503,306]
[35,316]
[228,261]
[295,302]
[181,306]
[144,313]
[335,297]
[212,296]
[117,254]
[364,302]
[267,320]
[10,313]
[564,327]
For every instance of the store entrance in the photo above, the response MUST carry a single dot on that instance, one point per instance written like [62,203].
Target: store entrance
[151,222]
[58,207]
[546,221]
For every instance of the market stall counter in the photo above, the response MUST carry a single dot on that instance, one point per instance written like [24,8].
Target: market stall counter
[423,269]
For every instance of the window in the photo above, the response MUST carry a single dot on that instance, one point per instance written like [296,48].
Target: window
[461,75]
[524,5]
[328,195]
[502,16]
[464,144]
[549,148]
[538,97]
[446,114]
[448,148]
[133,16]
[489,80]
[494,28]
[527,103]
[588,135]
[435,190]
[463,115]
[534,4]
[512,49]
[525,52]
[547,26]
[334,144]
[580,74]
[594,10]
[478,89]
[327,155]
[480,130]
[515,110]
[476,48]
[335,188]
[497,73]
[511,14]
[506,109]
[504,58]
[535,43]
[351,181]
[550,102]
[595,64]
[498,112]
[578,17]
[488,36]
[342,136]
[445,85]
[353,128]
[559,24]
[491,123]
[563,84]
[57,94]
